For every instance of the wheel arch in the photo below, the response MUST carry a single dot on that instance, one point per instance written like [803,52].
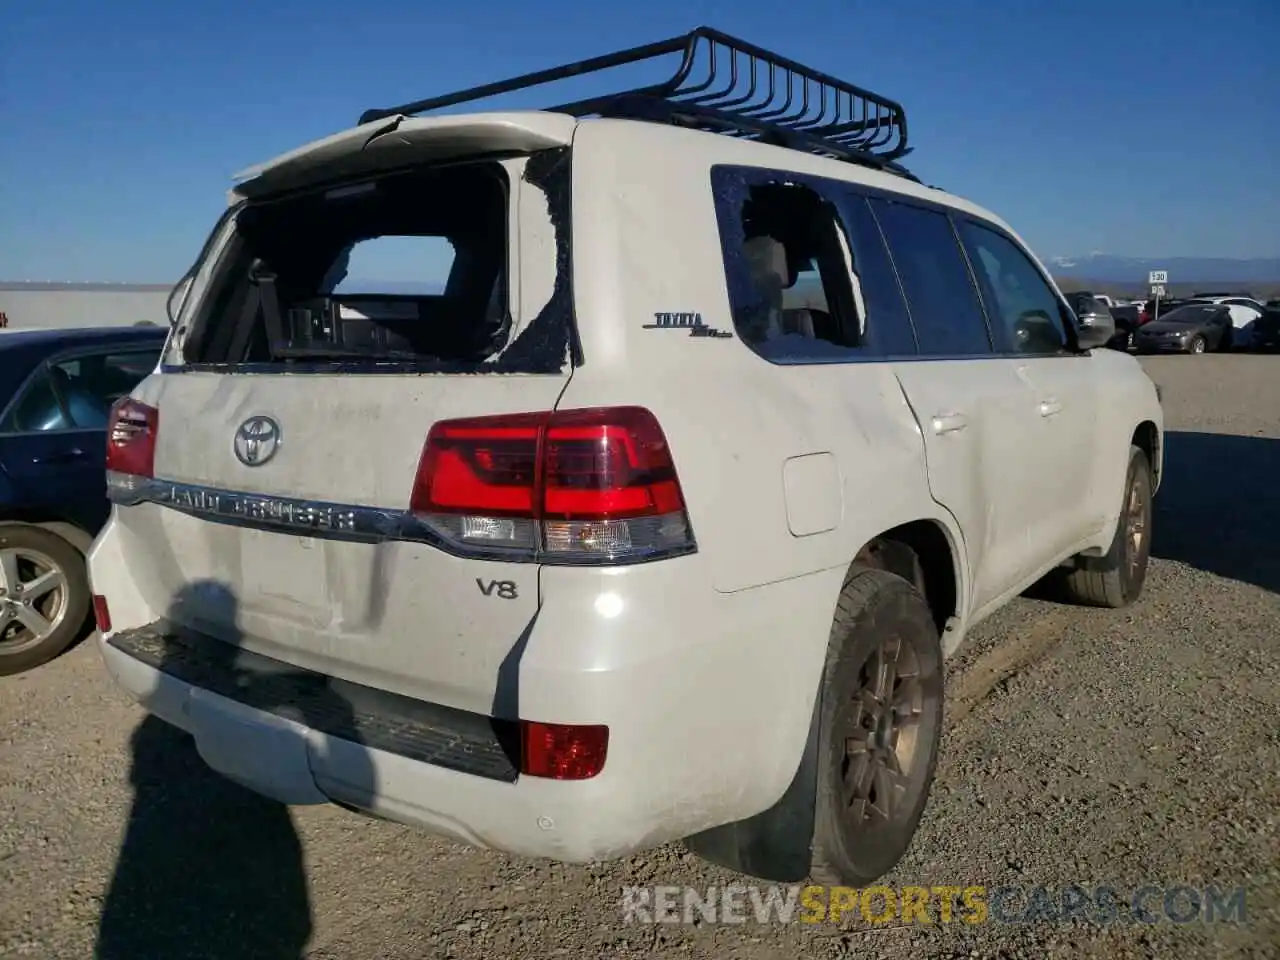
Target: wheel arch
[928,546]
[1146,437]
[775,844]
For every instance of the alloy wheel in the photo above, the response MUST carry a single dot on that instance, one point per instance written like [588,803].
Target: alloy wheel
[33,598]
[1135,525]
[883,734]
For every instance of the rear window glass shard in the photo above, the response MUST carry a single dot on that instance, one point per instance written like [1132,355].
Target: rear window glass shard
[888,323]
[786,266]
[410,270]
[809,279]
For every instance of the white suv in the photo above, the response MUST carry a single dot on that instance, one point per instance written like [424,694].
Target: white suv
[657,520]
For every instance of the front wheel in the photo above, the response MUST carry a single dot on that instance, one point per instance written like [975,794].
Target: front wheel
[44,596]
[1196,345]
[881,722]
[1116,578]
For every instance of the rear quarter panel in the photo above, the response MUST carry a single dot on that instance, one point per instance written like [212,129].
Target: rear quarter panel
[646,241]
[787,471]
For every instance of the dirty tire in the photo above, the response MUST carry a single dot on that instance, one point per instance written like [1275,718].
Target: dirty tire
[71,565]
[1115,580]
[878,613]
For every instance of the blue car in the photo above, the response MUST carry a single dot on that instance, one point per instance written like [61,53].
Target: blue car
[56,392]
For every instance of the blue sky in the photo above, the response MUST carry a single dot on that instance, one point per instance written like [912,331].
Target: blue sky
[1130,126]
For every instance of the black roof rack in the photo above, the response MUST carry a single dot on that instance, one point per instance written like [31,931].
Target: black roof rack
[741,90]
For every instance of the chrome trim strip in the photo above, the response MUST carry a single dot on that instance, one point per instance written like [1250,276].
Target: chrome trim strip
[332,521]
[315,518]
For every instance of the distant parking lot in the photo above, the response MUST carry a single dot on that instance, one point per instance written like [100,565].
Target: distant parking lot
[1092,748]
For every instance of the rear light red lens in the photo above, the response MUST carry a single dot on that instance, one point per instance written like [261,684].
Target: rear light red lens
[131,438]
[484,466]
[559,751]
[101,614]
[607,464]
[574,484]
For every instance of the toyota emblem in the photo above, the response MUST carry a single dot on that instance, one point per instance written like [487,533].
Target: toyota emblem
[257,441]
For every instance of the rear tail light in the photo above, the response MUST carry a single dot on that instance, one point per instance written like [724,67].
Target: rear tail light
[559,751]
[131,444]
[572,486]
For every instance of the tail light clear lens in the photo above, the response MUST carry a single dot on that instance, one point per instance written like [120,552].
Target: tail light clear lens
[595,485]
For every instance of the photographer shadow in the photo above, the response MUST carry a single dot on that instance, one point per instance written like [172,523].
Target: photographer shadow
[210,869]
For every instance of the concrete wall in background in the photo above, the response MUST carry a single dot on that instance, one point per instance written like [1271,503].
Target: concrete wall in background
[29,306]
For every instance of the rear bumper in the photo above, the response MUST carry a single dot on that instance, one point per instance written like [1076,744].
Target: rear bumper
[295,760]
[708,698]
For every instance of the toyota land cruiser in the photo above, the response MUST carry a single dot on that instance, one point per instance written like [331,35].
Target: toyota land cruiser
[656,519]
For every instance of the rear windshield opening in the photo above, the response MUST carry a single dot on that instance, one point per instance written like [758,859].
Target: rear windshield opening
[410,267]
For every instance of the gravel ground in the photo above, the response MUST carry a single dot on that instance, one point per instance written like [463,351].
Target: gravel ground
[1084,747]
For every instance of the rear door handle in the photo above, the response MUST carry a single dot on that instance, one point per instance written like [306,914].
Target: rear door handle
[949,422]
[61,456]
[1050,407]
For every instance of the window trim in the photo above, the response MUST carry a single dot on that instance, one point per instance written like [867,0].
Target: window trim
[42,370]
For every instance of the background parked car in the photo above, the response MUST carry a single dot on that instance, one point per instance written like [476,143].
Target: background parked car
[1126,317]
[1191,328]
[1148,311]
[1245,312]
[56,392]
[1266,329]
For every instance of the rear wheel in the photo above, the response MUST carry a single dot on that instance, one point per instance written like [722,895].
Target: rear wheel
[881,722]
[44,596]
[1116,579]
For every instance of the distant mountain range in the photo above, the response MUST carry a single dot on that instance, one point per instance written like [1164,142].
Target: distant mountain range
[1105,268]
[1095,268]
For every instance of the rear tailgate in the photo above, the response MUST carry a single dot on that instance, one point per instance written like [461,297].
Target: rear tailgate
[275,513]
[275,568]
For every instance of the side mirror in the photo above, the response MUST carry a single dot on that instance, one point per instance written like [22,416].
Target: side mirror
[1036,332]
[1096,333]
